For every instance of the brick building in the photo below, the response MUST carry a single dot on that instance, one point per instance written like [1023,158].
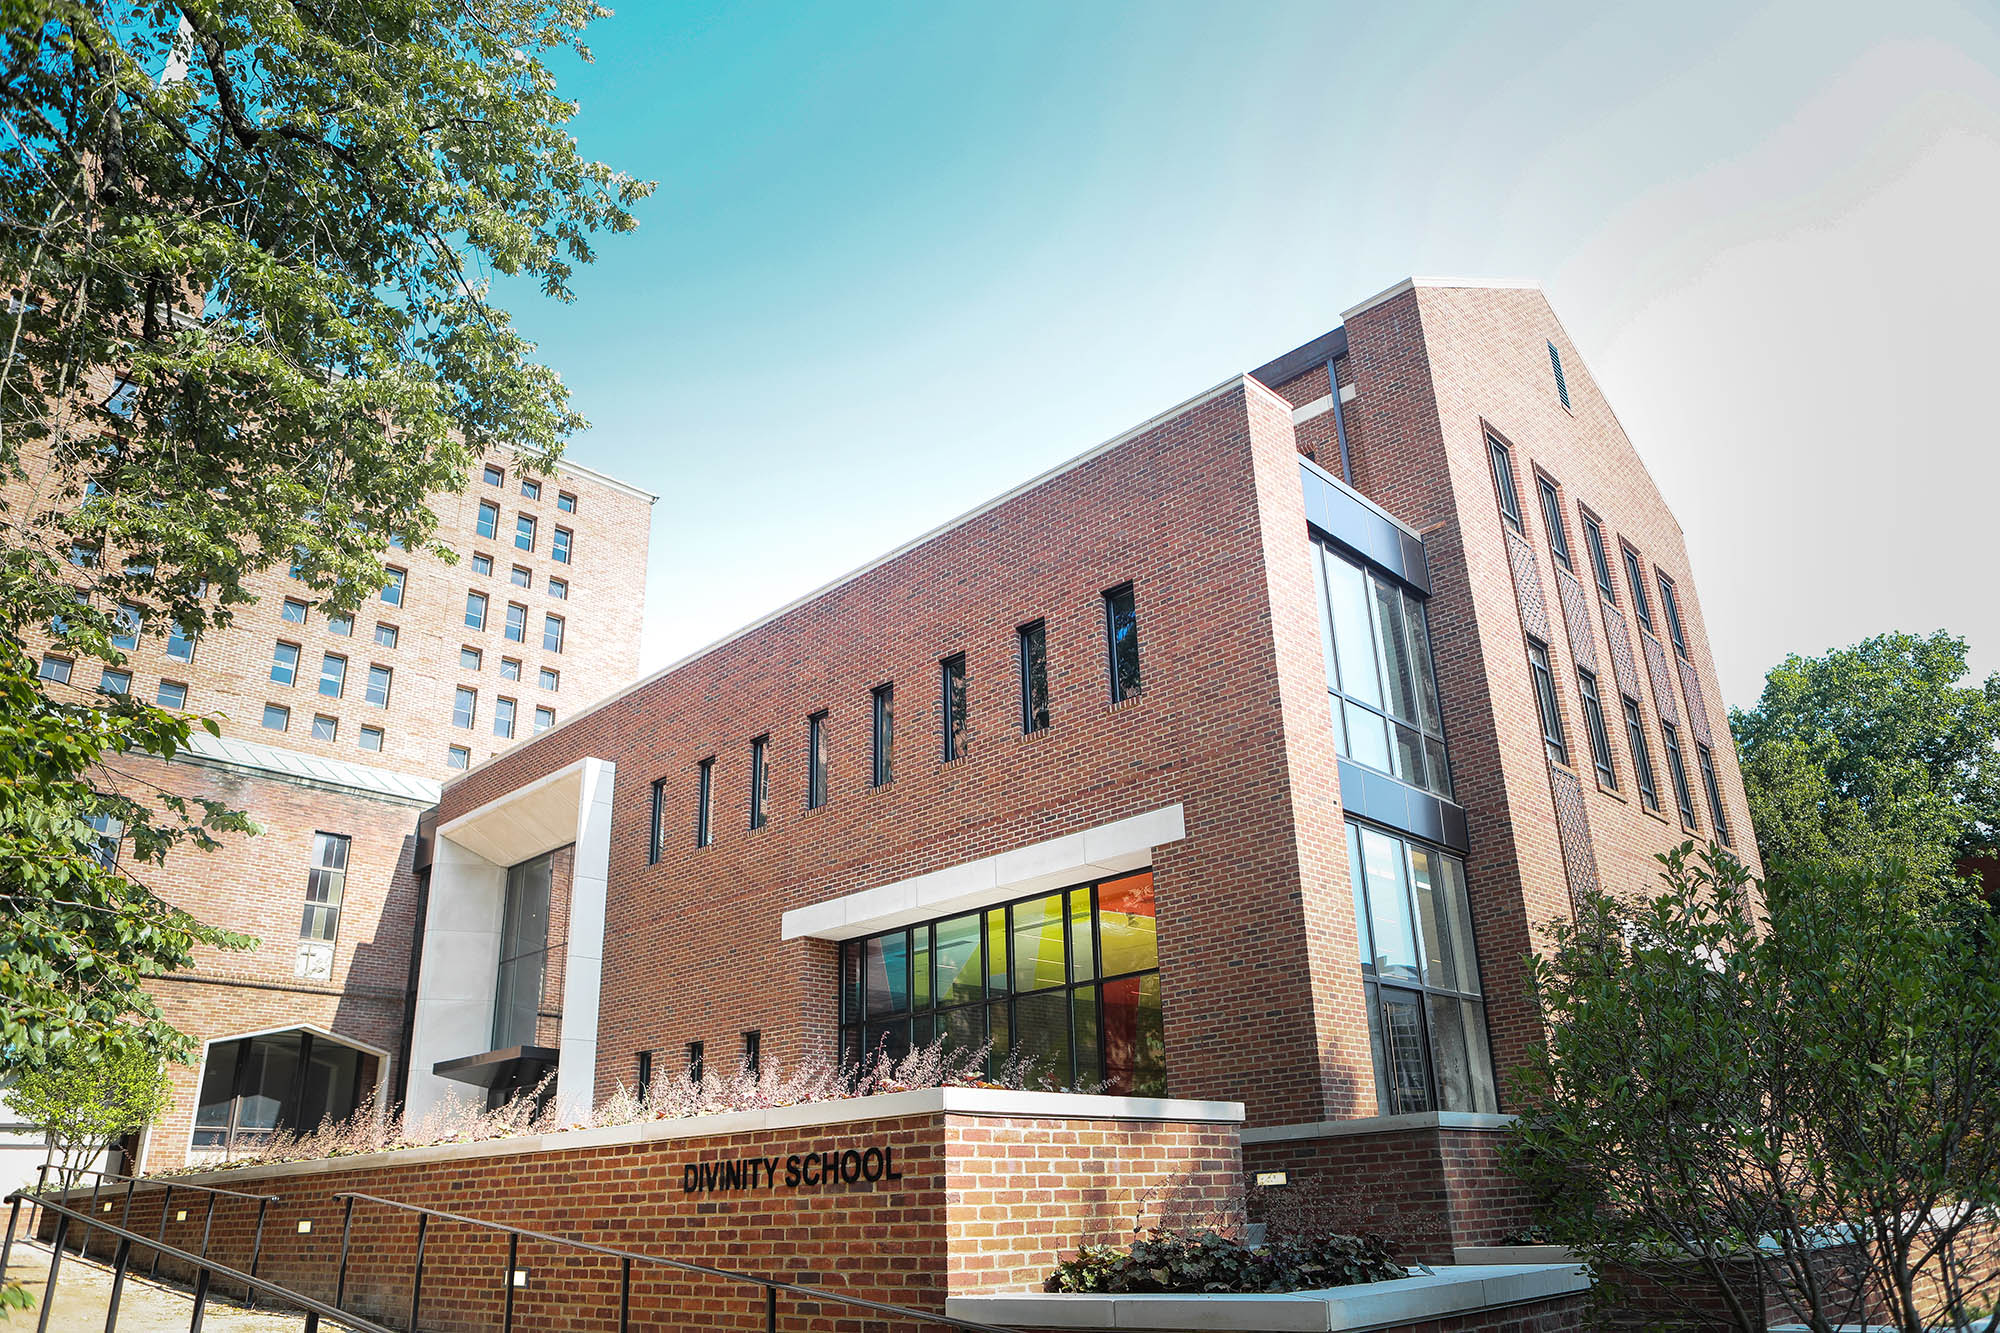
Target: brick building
[336,734]
[1238,758]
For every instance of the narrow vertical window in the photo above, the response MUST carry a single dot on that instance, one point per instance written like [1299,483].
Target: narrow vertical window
[488,521]
[516,628]
[524,532]
[1552,518]
[180,645]
[503,718]
[653,838]
[285,663]
[326,885]
[1677,770]
[1600,564]
[566,502]
[552,633]
[1503,483]
[884,734]
[464,707]
[1032,642]
[645,1072]
[816,761]
[1714,790]
[392,590]
[1642,609]
[1545,702]
[332,675]
[475,610]
[704,787]
[379,679]
[1600,737]
[559,546]
[952,671]
[1642,756]
[697,1062]
[1672,606]
[1121,640]
[1562,385]
[753,1053]
[759,779]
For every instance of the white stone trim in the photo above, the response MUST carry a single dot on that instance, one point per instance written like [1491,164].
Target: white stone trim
[1318,407]
[997,1102]
[1410,284]
[565,466]
[1108,849]
[1376,1124]
[1447,1290]
[1349,392]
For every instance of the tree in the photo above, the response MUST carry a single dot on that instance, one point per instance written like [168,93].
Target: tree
[1875,752]
[245,246]
[86,1099]
[1800,1093]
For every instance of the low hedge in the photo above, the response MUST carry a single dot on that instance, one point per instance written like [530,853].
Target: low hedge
[1205,1261]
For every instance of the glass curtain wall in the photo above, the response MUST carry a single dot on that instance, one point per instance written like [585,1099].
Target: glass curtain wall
[1420,974]
[524,954]
[1064,985]
[256,1087]
[1377,643]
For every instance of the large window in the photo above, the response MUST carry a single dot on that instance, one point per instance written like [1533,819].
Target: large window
[1642,756]
[1420,974]
[524,954]
[1716,814]
[326,885]
[1677,770]
[1067,983]
[298,1080]
[1377,645]
[1600,737]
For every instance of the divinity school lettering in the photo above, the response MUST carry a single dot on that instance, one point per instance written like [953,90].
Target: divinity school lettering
[813,1170]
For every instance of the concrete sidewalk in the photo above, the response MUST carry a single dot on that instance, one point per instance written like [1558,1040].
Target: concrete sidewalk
[83,1293]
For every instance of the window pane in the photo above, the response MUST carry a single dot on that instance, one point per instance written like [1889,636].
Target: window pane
[1409,755]
[1434,917]
[850,981]
[1082,949]
[920,968]
[1436,771]
[1085,1036]
[1121,622]
[998,1031]
[1448,1056]
[959,978]
[1039,927]
[1041,1031]
[1134,1038]
[1360,888]
[1392,646]
[1420,664]
[1125,924]
[1479,1059]
[1403,1053]
[996,951]
[1353,635]
[1388,905]
[1449,872]
[1319,560]
[886,973]
[962,1029]
[1367,737]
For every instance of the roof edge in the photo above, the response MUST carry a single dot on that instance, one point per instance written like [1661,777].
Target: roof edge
[604,479]
[1412,283]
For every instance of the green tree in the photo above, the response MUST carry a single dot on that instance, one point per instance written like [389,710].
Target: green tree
[1733,1084]
[246,247]
[85,1099]
[1875,752]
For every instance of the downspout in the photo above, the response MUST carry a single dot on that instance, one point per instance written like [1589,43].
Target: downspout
[1339,426]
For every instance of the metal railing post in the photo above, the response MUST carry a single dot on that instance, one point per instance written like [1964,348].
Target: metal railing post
[55,1266]
[770,1310]
[7,1245]
[346,1230]
[125,1218]
[208,1224]
[513,1257]
[625,1295]
[256,1252]
[118,1266]
[417,1278]
[41,1188]
[96,1184]
[200,1298]
[166,1206]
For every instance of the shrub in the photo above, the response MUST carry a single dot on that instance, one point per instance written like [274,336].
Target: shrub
[1206,1261]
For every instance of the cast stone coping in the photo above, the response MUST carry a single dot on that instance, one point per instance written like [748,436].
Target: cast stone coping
[1106,849]
[1000,1102]
[1376,1124]
[1446,1290]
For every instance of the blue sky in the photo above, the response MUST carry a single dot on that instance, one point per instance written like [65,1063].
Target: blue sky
[905,256]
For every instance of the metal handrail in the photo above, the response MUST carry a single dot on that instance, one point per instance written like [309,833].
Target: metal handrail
[263,1202]
[171,1183]
[626,1258]
[206,1270]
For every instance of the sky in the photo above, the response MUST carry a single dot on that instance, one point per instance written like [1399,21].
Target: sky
[903,257]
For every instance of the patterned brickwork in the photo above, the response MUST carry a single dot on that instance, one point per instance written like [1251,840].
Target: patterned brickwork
[1697,707]
[1573,826]
[1576,617]
[1528,588]
[1622,663]
[1662,677]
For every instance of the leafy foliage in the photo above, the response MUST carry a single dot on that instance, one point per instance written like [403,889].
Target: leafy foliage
[1741,1092]
[247,247]
[1875,752]
[86,1099]
[1206,1261]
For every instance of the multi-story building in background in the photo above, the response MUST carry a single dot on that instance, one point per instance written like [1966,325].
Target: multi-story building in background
[337,732]
[1240,757]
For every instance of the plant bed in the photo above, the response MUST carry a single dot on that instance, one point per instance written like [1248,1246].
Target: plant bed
[1208,1262]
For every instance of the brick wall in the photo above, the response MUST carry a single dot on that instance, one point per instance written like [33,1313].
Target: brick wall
[943,1228]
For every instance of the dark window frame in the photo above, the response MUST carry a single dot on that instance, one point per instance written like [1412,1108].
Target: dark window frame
[1677,770]
[882,734]
[1594,726]
[954,705]
[704,824]
[1642,754]
[1031,648]
[1670,603]
[643,1069]
[1500,458]
[1550,494]
[1548,703]
[752,1062]
[760,781]
[1635,574]
[1562,384]
[1600,558]
[816,760]
[1122,661]
[697,1059]
[654,840]
[1717,815]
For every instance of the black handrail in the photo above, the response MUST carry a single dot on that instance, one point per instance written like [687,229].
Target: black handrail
[626,1258]
[206,1270]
